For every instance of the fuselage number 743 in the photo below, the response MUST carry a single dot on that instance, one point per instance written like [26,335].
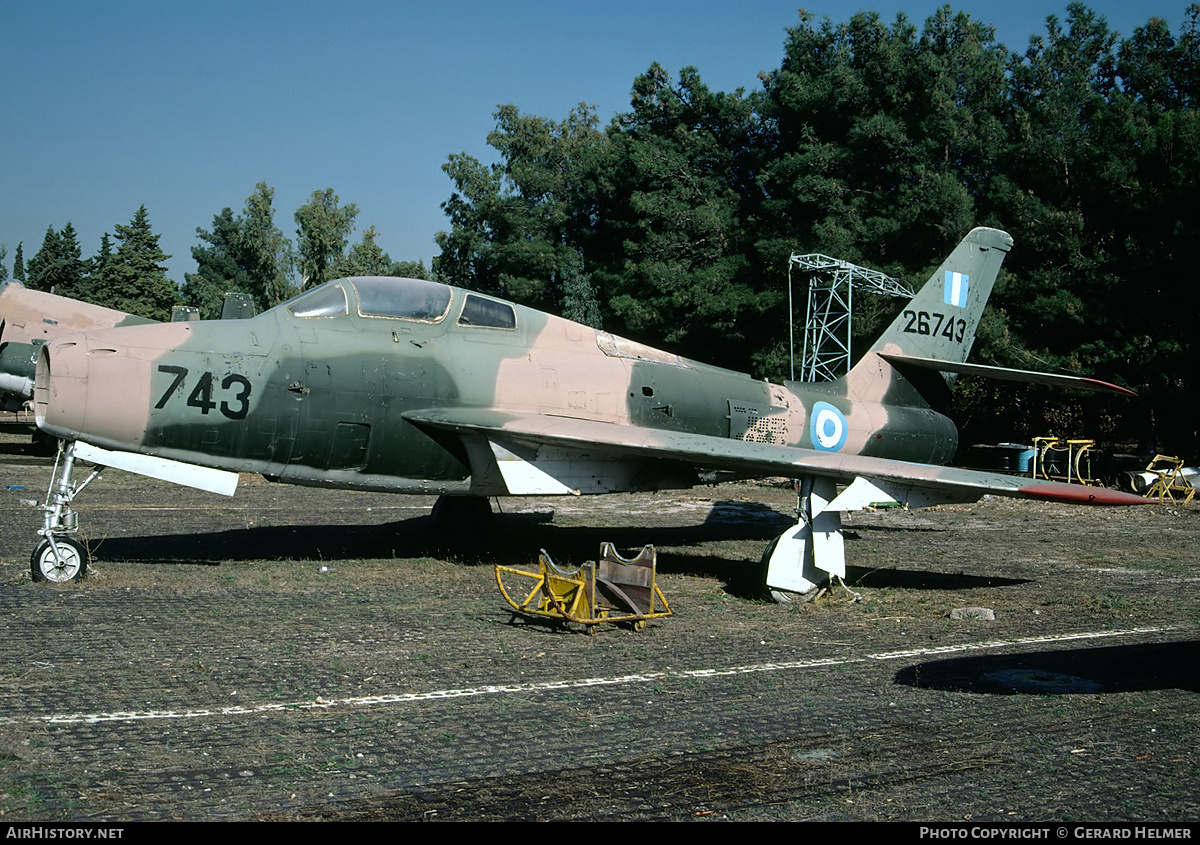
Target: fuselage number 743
[235,406]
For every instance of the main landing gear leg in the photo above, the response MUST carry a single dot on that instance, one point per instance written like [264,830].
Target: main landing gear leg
[60,557]
[802,559]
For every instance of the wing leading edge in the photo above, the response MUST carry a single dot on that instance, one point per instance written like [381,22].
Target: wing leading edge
[526,438]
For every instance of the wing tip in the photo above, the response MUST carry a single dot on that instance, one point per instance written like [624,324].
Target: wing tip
[1108,387]
[1078,494]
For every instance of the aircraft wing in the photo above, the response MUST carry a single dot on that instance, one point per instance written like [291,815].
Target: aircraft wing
[528,451]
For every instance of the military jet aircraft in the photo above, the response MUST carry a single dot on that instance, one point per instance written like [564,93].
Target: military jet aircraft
[415,386]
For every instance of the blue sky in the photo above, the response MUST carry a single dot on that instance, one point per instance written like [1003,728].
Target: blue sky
[183,106]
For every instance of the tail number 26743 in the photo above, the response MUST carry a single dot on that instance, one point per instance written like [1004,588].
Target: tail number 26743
[924,322]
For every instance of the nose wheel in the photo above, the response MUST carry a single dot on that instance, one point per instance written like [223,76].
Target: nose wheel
[60,558]
[62,562]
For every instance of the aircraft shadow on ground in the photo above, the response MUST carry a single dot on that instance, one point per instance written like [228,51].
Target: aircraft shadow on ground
[25,454]
[1106,669]
[916,579]
[515,539]
[851,527]
[510,539]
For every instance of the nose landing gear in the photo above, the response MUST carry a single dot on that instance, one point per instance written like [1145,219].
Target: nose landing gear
[60,557]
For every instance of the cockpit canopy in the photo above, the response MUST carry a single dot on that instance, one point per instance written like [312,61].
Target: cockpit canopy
[403,299]
[377,296]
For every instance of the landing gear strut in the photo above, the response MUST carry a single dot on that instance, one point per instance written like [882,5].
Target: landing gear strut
[802,559]
[60,557]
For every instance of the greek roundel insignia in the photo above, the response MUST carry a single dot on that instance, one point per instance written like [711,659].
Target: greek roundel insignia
[828,428]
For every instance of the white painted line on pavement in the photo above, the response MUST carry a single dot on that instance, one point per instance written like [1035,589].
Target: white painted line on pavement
[544,686]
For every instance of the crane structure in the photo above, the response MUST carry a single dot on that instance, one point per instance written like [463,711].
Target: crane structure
[826,353]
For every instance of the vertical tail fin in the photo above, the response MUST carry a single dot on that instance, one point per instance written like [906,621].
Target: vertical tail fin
[940,321]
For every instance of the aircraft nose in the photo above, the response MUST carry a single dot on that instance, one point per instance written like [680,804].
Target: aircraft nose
[86,389]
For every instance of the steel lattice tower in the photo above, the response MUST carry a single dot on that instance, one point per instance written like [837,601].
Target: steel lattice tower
[831,284]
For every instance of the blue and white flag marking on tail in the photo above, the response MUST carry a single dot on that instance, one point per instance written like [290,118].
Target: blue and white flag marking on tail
[956,288]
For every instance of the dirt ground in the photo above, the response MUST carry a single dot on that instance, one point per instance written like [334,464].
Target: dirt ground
[293,653]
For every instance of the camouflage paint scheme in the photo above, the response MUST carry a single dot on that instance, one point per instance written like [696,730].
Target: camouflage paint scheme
[414,386]
[28,318]
[411,386]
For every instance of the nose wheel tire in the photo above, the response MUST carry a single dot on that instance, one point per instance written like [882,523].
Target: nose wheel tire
[69,566]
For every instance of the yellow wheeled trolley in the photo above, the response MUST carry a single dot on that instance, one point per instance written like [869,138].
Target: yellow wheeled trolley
[1168,480]
[1075,467]
[614,589]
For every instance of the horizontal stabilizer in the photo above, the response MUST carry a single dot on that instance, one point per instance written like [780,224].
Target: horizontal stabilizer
[1006,374]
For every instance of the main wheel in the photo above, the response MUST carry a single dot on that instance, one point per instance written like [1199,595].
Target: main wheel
[788,596]
[70,566]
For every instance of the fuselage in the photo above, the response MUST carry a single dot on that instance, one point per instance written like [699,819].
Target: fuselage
[315,390]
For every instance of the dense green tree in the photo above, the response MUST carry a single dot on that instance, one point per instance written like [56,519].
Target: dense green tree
[18,272]
[266,254]
[367,258]
[679,212]
[58,266]
[1097,185]
[72,268]
[579,297]
[517,225]
[364,258]
[40,272]
[322,229]
[475,209]
[98,267]
[246,254]
[410,270]
[220,266]
[136,279]
[885,139]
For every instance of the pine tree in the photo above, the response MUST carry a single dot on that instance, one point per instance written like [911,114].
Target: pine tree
[579,297]
[70,270]
[42,265]
[19,263]
[98,267]
[219,267]
[136,280]
[58,265]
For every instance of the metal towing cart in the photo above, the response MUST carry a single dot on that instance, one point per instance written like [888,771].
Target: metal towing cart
[612,589]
